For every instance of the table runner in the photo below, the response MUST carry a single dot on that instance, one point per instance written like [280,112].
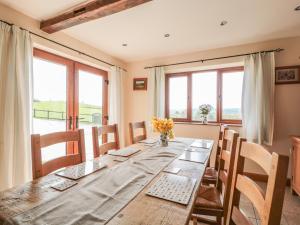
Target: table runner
[100,199]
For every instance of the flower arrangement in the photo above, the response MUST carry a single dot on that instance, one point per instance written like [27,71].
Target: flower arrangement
[204,111]
[165,128]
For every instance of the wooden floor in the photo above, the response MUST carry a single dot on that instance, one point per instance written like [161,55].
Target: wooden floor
[291,209]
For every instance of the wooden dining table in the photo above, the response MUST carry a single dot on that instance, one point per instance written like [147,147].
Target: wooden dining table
[142,209]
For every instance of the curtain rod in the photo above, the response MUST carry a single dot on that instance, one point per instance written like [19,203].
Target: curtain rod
[65,46]
[210,59]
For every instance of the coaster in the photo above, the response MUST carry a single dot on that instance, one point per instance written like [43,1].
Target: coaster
[64,185]
[173,170]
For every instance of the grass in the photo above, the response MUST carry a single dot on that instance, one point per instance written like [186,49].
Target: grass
[56,110]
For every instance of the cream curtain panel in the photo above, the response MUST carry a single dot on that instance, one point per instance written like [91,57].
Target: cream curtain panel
[15,104]
[156,92]
[116,101]
[258,98]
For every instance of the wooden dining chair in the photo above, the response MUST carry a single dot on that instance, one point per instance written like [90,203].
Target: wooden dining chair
[268,203]
[214,200]
[134,126]
[211,173]
[106,146]
[38,142]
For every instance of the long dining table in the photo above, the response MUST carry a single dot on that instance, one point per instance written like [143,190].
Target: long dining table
[114,195]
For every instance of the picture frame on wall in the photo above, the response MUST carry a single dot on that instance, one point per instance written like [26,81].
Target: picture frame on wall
[287,75]
[140,84]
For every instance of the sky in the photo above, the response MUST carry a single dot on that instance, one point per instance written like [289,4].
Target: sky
[50,81]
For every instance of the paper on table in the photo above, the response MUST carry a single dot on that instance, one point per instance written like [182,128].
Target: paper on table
[201,144]
[199,157]
[149,141]
[196,149]
[79,171]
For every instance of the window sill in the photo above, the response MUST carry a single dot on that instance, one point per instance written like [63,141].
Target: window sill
[209,124]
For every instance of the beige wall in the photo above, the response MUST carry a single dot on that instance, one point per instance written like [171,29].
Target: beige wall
[10,15]
[287,109]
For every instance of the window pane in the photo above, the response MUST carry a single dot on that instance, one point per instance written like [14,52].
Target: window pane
[90,106]
[232,95]
[49,103]
[204,92]
[178,97]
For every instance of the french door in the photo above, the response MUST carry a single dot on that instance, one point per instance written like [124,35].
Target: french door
[67,95]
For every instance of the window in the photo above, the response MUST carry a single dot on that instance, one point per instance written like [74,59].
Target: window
[220,88]
[67,95]
[178,100]
[232,84]
[204,91]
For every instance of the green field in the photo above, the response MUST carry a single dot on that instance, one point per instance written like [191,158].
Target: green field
[56,110]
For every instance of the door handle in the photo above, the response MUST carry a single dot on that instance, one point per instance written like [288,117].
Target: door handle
[70,122]
[77,121]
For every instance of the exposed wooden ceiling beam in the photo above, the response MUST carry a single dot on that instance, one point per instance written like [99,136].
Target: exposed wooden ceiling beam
[87,11]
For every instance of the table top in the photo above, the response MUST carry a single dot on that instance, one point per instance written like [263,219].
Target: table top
[142,209]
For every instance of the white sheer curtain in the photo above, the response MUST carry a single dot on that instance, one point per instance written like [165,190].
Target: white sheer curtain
[258,98]
[156,92]
[15,104]
[116,100]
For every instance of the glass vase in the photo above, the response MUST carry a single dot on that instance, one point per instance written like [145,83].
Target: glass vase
[164,140]
[204,119]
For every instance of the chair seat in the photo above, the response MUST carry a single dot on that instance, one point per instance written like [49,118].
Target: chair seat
[210,174]
[208,197]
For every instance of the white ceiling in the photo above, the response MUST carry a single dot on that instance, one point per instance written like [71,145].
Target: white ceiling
[194,25]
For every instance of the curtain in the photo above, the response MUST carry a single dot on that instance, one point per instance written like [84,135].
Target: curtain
[116,101]
[16,54]
[156,92]
[258,98]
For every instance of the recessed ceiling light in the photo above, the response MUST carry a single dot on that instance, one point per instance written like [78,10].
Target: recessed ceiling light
[297,8]
[223,23]
[167,35]
[124,45]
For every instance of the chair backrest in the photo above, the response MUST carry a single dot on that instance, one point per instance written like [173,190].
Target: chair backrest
[267,203]
[38,142]
[226,165]
[222,144]
[106,146]
[134,126]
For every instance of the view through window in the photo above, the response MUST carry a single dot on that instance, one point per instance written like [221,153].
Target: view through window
[220,88]
[67,96]
[49,103]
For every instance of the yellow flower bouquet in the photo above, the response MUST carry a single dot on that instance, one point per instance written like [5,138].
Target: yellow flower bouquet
[165,128]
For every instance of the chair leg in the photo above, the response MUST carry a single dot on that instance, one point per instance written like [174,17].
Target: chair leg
[195,221]
[219,220]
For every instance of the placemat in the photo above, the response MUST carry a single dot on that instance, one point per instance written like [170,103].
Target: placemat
[173,188]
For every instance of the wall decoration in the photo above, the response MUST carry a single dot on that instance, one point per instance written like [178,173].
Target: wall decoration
[140,84]
[287,75]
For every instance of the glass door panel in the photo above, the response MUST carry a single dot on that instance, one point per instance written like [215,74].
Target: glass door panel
[50,101]
[91,103]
